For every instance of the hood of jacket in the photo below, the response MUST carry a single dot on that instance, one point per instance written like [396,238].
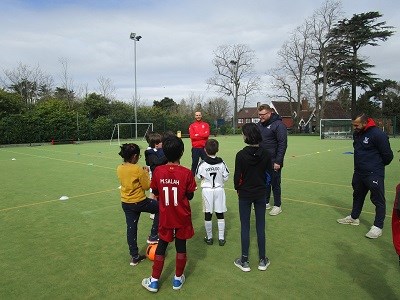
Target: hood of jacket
[370,123]
[213,160]
[274,117]
[253,155]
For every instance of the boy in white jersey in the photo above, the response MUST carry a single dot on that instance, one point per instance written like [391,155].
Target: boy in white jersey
[213,172]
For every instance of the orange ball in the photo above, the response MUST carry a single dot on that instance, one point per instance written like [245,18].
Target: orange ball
[151,251]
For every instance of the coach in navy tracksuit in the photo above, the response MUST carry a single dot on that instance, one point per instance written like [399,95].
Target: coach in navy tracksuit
[372,153]
[274,140]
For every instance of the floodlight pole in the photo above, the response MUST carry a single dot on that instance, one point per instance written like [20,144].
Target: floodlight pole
[135,39]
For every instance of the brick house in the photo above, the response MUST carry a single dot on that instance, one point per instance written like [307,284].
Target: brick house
[307,118]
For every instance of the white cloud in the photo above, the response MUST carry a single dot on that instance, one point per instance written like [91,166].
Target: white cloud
[179,37]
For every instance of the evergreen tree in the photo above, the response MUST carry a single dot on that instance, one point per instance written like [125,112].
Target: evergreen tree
[347,37]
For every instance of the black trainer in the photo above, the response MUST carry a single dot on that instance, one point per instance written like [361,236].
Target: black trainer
[152,239]
[137,259]
[209,241]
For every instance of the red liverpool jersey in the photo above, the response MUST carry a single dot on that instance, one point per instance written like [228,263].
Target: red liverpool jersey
[172,183]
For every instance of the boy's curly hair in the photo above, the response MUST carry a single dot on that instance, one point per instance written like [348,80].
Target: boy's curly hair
[128,150]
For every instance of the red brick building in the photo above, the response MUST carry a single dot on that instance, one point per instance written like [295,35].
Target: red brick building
[306,118]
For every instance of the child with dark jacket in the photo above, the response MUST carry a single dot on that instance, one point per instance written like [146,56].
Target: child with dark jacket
[154,155]
[252,170]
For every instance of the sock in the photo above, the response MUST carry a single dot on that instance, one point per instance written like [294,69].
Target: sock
[221,229]
[180,264]
[208,226]
[158,266]
[245,258]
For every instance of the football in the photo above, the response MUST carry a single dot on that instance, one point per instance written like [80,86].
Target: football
[151,251]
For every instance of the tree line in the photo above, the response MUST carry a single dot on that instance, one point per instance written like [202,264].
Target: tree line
[60,118]
[320,61]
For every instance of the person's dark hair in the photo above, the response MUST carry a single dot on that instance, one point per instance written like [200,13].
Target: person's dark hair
[173,148]
[147,135]
[129,150]
[212,147]
[363,117]
[252,134]
[154,139]
[167,134]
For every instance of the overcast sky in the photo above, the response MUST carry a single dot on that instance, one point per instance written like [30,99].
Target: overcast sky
[174,56]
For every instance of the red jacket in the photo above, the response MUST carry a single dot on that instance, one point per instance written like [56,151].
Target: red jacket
[396,222]
[199,132]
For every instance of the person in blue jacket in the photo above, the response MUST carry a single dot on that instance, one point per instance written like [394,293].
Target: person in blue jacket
[372,153]
[274,140]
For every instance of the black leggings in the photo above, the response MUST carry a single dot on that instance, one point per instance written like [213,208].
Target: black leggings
[208,216]
[180,246]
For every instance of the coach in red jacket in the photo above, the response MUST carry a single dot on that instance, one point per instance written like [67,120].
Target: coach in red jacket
[199,131]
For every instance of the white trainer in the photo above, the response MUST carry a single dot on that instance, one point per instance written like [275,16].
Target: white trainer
[374,232]
[268,206]
[349,221]
[276,210]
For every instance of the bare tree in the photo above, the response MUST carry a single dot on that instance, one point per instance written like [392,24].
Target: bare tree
[106,88]
[282,85]
[193,103]
[67,82]
[234,74]
[217,108]
[291,77]
[322,22]
[183,108]
[30,82]
[82,91]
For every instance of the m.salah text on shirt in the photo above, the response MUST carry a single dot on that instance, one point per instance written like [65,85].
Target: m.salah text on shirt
[169,181]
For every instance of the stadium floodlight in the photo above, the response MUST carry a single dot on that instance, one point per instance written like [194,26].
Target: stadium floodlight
[135,39]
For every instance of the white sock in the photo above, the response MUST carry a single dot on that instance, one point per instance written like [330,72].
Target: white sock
[152,279]
[208,226]
[221,229]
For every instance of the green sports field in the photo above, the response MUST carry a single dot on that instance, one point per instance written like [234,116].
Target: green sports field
[76,249]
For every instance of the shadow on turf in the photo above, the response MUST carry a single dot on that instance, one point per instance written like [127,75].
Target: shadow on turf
[196,250]
[366,219]
[365,271]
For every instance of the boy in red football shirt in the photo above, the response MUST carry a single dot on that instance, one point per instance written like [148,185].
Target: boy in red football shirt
[174,185]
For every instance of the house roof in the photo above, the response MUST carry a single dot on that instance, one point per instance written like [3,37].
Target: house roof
[333,110]
[282,108]
[305,115]
[247,113]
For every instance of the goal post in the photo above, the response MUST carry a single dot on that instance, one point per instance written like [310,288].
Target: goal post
[128,131]
[335,129]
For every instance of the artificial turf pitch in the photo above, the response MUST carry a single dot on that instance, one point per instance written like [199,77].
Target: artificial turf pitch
[76,249]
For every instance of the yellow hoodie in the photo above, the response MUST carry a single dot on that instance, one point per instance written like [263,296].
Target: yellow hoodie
[134,182]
